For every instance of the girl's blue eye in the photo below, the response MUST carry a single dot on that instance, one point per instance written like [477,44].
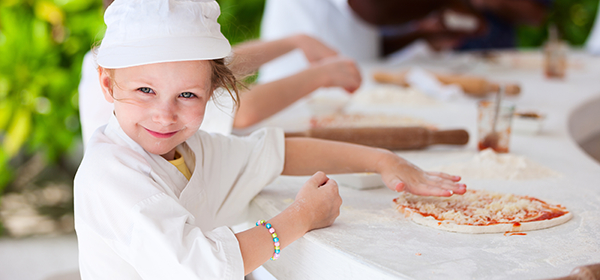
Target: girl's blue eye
[187,94]
[145,90]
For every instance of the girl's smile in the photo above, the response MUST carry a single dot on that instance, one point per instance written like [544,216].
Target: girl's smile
[159,134]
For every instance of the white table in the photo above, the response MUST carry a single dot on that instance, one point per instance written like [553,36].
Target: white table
[370,240]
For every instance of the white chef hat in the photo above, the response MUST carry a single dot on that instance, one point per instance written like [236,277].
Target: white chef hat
[151,31]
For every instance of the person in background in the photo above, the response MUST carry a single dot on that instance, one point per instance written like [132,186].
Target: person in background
[154,194]
[369,30]
[450,24]
[327,69]
[330,21]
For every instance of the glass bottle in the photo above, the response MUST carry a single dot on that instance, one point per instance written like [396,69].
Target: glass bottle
[555,55]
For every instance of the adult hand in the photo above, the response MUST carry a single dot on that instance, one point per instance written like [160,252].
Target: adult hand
[314,50]
[447,29]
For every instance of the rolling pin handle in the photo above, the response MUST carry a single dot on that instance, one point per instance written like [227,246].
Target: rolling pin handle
[297,134]
[586,272]
[450,137]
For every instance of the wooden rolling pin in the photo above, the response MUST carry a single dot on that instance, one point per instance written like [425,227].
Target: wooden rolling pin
[472,85]
[586,272]
[392,138]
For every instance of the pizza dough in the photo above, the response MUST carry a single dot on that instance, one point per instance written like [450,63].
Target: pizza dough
[393,95]
[362,120]
[479,211]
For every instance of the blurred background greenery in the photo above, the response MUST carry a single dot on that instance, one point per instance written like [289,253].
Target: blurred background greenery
[42,44]
[574,19]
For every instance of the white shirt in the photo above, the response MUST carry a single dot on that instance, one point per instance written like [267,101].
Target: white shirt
[592,43]
[95,111]
[331,21]
[138,217]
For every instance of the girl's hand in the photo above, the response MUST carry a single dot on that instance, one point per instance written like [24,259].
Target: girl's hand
[339,72]
[314,50]
[318,202]
[400,175]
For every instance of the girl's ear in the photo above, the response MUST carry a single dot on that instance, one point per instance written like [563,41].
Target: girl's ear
[106,84]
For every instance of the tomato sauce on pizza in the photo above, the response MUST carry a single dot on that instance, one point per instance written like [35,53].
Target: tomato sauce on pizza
[479,211]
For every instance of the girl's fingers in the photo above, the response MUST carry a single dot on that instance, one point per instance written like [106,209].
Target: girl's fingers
[429,190]
[318,179]
[396,185]
[399,186]
[445,176]
[462,188]
[330,183]
[441,192]
[454,188]
[437,187]
[449,184]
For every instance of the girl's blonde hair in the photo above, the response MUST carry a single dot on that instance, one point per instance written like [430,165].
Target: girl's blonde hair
[223,77]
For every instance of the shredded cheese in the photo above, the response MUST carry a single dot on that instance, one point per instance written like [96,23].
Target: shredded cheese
[479,208]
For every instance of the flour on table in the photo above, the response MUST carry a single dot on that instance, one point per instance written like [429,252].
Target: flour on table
[362,120]
[393,95]
[489,165]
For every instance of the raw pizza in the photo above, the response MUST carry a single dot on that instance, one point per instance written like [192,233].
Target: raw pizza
[479,211]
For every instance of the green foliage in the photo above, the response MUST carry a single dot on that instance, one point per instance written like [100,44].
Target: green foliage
[240,19]
[574,19]
[42,43]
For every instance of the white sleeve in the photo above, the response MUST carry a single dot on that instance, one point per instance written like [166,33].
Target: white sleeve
[238,168]
[165,245]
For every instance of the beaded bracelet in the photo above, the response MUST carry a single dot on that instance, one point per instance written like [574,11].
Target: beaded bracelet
[274,235]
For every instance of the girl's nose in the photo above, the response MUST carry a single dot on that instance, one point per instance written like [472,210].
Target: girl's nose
[165,113]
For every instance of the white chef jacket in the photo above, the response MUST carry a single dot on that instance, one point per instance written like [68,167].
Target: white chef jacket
[138,217]
[331,21]
[592,43]
[94,110]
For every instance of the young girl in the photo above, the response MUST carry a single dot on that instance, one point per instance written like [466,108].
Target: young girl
[261,101]
[154,195]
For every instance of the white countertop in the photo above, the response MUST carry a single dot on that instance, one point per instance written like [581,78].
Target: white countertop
[371,240]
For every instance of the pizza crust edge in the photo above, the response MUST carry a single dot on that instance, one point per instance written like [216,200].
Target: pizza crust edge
[496,228]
